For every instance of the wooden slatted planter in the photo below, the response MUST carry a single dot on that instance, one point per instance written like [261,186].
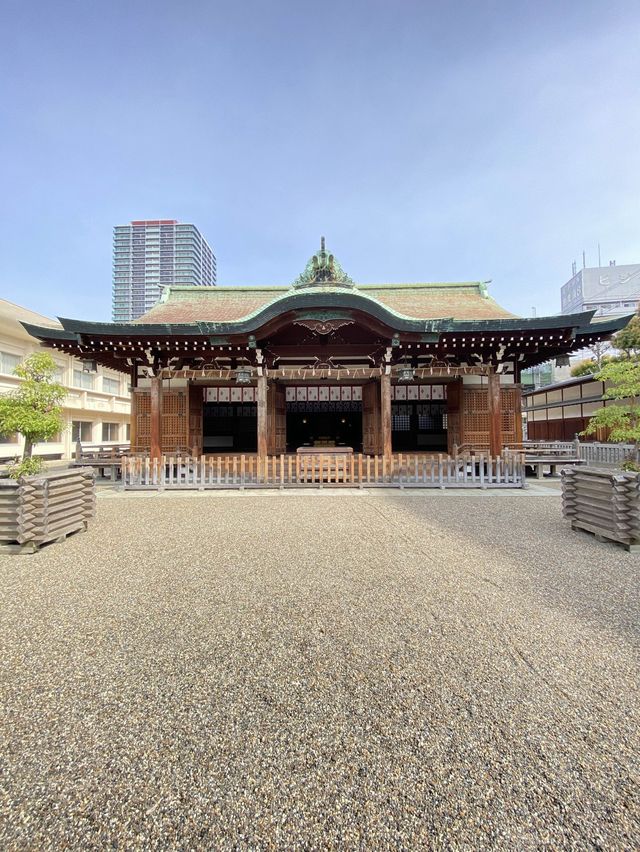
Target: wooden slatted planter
[36,510]
[603,502]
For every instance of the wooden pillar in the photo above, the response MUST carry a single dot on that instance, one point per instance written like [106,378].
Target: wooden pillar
[371,437]
[276,419]
[262,416]
[495,415]
[455,416]
[195,406]
[518,414]
[385,413]
[133,417]
[156,418]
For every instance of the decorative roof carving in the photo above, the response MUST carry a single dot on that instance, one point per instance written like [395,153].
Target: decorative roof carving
[319,326]
[323,270]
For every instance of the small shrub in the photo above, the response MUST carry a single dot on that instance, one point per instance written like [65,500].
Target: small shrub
[26,467]
[584,368]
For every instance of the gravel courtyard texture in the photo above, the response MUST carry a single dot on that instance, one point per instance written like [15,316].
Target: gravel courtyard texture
[305,672]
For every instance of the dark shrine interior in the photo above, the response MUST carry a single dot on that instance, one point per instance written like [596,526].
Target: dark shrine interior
[230,428]
[414,426]
[325,425]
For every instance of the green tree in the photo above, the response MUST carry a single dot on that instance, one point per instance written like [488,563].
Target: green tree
[33,409]
[628,339]
[584,368]
[622,419]
[599,357]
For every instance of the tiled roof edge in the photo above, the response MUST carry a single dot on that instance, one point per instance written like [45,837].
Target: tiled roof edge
[252,288]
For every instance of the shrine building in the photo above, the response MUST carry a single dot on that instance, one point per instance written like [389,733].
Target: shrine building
[325,363]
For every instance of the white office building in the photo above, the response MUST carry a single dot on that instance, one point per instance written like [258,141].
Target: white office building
[97,407]
[612,291]
[150,254]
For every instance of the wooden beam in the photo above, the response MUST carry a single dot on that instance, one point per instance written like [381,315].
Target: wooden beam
[262,417]
[495,415]
[156,418]
[306,352]
[385,412]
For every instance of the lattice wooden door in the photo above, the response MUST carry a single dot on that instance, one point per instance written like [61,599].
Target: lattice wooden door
[511,417]
[141,419]
[175,423]
[475,416]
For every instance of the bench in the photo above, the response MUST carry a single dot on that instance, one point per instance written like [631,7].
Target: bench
[551,454]
[100,457]
[537,454]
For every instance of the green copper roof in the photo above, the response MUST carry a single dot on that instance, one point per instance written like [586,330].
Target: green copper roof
[321,270]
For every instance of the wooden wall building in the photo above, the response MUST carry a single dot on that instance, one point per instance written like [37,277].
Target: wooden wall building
[560,411]
[325,363]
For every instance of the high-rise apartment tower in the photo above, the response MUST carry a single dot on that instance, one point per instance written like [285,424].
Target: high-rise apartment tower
[150,254]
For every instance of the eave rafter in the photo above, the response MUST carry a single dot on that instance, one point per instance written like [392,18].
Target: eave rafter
[526,341]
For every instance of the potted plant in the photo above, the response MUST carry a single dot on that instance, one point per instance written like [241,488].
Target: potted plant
[37,507]
[601,501]
[33,409]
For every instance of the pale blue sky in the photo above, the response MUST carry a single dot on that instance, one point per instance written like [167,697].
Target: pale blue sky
[427,140]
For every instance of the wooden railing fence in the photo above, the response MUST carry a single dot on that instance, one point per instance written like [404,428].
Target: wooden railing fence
[556,453]
[87,452]
[101,457]
[606,454]
[324,469]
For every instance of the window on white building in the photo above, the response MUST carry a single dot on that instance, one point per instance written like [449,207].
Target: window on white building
[54,439]
[110,385]
[83,380]
[81,431]
[110,431]
[8,362]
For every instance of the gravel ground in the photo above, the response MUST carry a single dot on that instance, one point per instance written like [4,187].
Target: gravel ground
[305,672]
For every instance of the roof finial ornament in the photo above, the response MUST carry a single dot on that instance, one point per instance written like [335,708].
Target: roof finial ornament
[323,270]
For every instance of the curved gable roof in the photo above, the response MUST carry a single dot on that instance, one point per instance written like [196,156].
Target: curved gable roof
[459,301]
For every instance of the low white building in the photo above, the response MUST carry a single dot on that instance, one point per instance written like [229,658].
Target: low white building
[97,407]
